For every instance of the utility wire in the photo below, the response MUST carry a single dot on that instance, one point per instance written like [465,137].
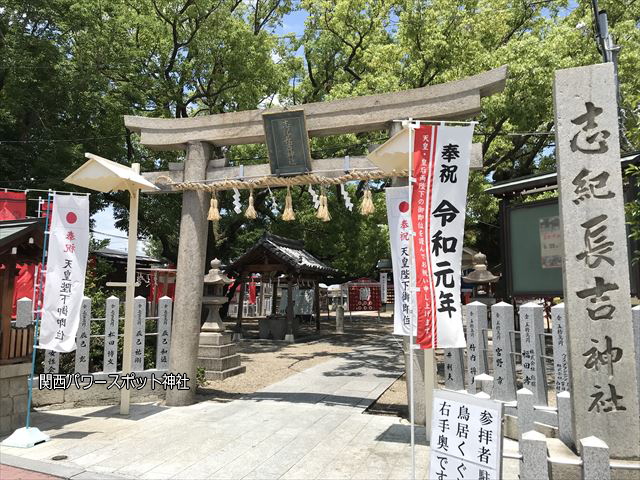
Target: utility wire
[109,234]
[62,140]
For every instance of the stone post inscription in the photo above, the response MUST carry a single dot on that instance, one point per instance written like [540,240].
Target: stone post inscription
[139,320]
[595,274]
[560,357]
[164,333]
[532,351]
[454,368]
[476,345]
[83,337]
[504,387]
[111,335]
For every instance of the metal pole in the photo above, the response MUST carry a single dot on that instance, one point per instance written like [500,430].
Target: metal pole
[134,196]
[36,301]
[609,51]
[411,311]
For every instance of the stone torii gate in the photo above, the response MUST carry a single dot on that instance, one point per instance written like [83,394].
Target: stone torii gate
[457,100]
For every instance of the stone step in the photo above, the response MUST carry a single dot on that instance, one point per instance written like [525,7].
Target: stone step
[219,364]
[208,338]
[230,372]
[217,351]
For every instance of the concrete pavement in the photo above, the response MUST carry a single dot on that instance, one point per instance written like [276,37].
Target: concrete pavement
[310,425]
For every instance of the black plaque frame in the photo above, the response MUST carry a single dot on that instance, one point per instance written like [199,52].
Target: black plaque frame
[280,160]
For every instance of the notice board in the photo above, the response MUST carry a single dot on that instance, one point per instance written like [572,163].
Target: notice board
[534,241]
[534,246]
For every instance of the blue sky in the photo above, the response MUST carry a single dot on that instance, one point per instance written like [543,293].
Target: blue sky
[293,23]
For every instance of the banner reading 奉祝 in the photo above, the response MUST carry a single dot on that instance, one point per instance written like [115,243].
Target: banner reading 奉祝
[441,157]
[66,267]
[400,232]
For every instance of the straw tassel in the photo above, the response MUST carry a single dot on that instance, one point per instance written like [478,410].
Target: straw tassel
[250,212]
[367,207]
[288,214]
[323,209]
[214,213]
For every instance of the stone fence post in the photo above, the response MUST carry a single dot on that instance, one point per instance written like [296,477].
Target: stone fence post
[560,356]
[139,332]
[595,459]
[454,368]
[535,465]
[83,337]
[111,324]
[504,387]
[532,350]
[165,306]
[476,343]
[24,312]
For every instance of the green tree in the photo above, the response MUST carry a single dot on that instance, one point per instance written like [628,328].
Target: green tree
[71,68]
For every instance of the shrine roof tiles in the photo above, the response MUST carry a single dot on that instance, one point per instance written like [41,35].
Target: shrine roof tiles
[288,251]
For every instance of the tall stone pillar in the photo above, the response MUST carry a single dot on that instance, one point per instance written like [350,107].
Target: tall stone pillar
[189,284]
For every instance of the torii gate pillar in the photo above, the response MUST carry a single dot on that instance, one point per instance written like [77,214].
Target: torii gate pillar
[192,252]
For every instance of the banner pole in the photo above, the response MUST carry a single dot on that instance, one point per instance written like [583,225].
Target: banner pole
[411,309]
[35,302]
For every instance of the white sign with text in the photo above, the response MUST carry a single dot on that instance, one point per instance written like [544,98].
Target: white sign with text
[466,437]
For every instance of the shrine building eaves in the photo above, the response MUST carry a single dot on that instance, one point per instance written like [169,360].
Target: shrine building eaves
[539,182]
[457,100]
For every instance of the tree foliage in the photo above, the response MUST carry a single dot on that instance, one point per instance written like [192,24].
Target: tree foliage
[69,70]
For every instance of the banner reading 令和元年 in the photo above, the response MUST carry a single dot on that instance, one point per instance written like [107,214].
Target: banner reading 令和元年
[427,270]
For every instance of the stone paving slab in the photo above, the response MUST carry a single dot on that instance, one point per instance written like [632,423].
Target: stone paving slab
[309,425]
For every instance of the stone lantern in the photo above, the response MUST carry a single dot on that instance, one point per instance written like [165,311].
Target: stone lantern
[480,275]
[217,353]
[214,298]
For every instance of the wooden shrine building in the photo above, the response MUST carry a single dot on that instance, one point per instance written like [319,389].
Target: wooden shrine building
[21,244]
[273,256]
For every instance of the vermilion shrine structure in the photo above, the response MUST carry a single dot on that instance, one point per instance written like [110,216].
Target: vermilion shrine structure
[459,100]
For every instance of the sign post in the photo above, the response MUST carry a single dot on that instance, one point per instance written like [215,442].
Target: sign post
[105,176]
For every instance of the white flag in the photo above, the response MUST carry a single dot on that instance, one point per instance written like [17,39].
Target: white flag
[439,198]
[403,279]
[65,272]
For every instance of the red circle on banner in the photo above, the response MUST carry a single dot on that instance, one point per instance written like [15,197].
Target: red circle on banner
[71,217]
[404,207]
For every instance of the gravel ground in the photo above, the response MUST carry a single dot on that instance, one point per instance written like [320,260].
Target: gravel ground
[268,362]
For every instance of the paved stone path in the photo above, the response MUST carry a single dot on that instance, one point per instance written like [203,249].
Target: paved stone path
[310,425]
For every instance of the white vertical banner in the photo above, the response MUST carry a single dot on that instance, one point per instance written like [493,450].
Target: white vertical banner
[448,181]
[400,233]
[65,272]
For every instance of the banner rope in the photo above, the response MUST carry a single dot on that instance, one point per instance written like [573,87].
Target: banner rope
[268,181]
